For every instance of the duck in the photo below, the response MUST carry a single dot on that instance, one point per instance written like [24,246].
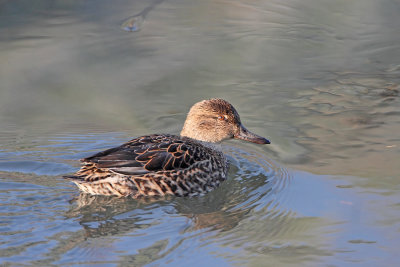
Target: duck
[188,164]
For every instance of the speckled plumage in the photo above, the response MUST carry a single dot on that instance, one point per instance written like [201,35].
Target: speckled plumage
[153,165]
[163,164]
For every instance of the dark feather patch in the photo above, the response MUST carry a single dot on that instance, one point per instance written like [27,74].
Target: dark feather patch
[169,164]
[156,163]
[142,155]
[130,170]
[148,155]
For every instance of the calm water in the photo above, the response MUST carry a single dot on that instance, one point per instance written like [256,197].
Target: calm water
[319,78]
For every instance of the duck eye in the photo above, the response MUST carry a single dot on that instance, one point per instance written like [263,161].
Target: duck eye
[221,118]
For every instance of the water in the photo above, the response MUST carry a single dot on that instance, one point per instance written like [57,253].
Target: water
[320,79]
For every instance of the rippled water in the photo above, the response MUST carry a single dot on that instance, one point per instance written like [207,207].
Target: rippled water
[320,79]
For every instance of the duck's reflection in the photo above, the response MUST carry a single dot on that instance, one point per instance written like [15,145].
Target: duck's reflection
[247,210]
[219,210]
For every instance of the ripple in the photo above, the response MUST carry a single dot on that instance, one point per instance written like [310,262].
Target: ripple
[255,188]
[56,154]
[353,116]
[40,168]
[254,199]
[260,209]
[250,164]
[29,210]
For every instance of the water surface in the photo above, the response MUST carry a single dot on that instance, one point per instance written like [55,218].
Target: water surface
[320,79]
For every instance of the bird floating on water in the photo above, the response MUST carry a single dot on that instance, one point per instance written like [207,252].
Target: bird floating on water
[163,164]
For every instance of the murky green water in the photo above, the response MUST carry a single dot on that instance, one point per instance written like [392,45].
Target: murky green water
[320,79]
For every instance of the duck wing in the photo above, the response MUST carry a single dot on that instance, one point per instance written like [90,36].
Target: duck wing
[145,154]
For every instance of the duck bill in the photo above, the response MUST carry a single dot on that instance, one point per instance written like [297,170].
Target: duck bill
[246,135]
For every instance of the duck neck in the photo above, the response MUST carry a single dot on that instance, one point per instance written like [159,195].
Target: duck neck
[192,133]
[213,146]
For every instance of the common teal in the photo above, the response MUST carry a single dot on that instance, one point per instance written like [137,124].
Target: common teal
[164,164]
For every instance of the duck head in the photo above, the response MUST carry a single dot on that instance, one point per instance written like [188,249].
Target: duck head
[215,120]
